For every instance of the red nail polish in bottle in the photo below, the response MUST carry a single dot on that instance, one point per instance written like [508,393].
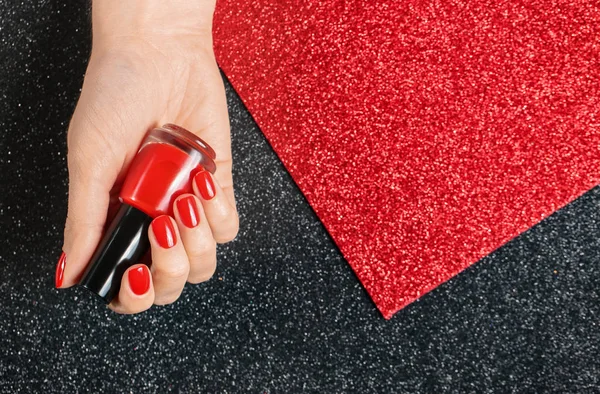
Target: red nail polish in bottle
[162,170]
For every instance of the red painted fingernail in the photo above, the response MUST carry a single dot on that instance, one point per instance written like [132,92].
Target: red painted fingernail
[139,280]
[205,185]
[60,270]
[188,211]
[164,231]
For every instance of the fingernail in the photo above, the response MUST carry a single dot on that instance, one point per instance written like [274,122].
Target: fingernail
[60,270]
[164,231]
[188,211]
[205,185]
[139,280]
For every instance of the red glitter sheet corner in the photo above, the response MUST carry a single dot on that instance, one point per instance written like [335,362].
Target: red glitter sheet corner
[425,134]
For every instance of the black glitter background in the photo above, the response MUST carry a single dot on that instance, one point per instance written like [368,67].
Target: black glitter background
[284,313]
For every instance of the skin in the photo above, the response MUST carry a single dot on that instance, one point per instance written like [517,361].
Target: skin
[152,63]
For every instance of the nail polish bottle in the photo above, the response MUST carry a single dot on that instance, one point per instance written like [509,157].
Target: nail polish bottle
[163,168]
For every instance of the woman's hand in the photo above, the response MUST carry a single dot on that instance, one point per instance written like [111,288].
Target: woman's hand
[152,63]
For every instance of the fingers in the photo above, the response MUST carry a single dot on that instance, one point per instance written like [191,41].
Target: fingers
[170,265]
[182,250]
[221,213]
[205,113]
[90,182]
[97,153]
[197,238]
[136,293]
[207,116]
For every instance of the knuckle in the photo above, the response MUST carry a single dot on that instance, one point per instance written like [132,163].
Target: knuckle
[225,168]
[227,235]
[202,250]
[126,309]
[228,230]
[88,130]
[78,161]
[69,226]
[204,273]
[166,299]
[173,272]
[200,278]
[86,167]
[76,226]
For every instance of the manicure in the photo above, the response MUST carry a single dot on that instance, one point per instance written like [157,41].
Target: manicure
[188,211]
[139,280]
[205,185]
[164,232]
[60,270]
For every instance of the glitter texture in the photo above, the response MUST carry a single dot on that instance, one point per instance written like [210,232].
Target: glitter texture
[283,313]
[425,134]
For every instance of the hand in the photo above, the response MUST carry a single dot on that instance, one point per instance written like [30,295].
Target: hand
[143,74]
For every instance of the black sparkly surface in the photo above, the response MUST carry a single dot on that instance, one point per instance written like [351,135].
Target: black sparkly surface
[284,313]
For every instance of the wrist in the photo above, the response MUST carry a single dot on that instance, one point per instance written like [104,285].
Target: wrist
[158,22]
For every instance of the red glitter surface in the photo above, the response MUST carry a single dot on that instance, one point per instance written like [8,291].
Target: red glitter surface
[425,134]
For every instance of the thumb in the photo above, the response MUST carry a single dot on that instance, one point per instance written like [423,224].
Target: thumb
[91,178]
